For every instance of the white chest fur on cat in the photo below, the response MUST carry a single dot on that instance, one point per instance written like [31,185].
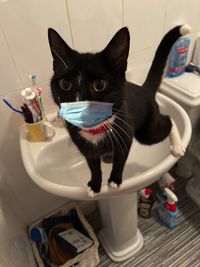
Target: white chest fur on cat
[98,132]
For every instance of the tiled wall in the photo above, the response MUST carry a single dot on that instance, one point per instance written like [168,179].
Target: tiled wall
[86,25]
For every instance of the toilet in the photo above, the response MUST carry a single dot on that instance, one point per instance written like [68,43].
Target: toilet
[185,90]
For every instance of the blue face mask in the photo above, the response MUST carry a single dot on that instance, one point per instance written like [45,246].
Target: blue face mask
[86,113]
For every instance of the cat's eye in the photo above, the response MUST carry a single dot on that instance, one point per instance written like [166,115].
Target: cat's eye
[65,85]
[99,85]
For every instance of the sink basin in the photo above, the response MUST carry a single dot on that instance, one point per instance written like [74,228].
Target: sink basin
[58,167]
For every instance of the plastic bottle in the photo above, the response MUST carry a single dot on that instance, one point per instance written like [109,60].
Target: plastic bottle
[167,211]
[30,99]
[146,202]
[166,181]
[178,57]
[38,235]
[28,93]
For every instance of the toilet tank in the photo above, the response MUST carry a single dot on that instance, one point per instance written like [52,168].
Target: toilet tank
[185,90]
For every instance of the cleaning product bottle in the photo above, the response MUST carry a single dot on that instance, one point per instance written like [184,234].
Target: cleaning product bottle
[146,202]
[166,181]
[167,211]
[178,57]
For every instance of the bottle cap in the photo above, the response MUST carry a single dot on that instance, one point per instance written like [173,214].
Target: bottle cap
[170,204]
[146,192]
[171,197]
[36,235]
[166,181]
[28,93]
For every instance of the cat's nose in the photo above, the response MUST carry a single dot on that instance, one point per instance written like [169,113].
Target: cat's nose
[82,95]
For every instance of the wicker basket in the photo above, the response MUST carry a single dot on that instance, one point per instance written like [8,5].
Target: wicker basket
[88,258]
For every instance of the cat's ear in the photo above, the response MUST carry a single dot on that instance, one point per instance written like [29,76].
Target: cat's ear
[61,52]
[117,50]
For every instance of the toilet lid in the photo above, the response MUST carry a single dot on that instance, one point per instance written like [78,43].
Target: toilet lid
[185,88]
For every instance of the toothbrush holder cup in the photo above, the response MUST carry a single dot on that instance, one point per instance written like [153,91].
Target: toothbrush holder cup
[40,131]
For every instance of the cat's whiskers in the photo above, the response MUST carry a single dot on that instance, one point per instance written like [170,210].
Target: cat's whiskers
[124,122]
[130,138]
[110,131]
[120,138]
[101,141]
[114,132]
[100,144]
[123,113]
[97,132]
[108,134]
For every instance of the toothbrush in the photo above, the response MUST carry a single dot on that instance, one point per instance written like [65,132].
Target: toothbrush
[38,101]
[33,78]
[11,107]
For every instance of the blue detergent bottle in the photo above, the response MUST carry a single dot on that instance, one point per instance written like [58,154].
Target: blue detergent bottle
[167,211]
[178,57]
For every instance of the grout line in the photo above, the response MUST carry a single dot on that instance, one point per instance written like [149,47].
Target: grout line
[12,57]
[70,26]
[143,49]
[165,16]
[122,13]
[6,94]
[20,88]
[197,23]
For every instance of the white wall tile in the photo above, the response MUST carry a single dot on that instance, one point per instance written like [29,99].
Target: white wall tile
[180,12]
[145,20]
[33,200]
[25,26]
[139,64]
[94,22]
[193,38]
[9,78]
[198,22]
[12,218]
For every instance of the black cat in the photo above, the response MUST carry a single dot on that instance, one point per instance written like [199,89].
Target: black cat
[101,77]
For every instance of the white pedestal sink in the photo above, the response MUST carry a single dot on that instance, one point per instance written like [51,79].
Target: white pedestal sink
[59,168]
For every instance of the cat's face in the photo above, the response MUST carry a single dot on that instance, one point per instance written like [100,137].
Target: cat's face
[86,76]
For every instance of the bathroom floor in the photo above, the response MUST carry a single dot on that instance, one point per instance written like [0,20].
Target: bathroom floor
[163,247]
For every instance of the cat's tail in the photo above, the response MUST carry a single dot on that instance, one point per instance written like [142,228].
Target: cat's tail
[154,76]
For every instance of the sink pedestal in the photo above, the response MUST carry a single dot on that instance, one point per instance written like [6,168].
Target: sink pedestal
[120,236]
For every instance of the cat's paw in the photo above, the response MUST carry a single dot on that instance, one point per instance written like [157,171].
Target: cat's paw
[177,150]
[93,188]
[91,193]
[114,184]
